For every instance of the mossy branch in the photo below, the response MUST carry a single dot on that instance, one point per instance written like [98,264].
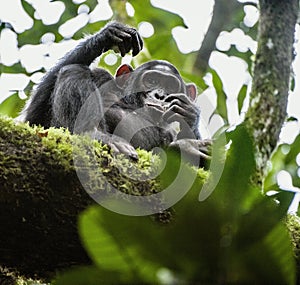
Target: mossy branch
[41,194]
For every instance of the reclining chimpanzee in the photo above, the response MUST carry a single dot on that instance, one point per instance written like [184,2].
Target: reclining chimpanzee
[135,109]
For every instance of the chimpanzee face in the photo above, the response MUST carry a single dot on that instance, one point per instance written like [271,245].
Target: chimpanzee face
[158,83]
[152,82]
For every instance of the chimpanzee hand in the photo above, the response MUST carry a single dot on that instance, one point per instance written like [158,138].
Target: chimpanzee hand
[119,145]
[124,37]
[184,111]
[116,144]
[194,151]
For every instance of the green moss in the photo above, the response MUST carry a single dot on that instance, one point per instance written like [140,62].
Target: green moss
[65,153]
[42,195]
[293,224]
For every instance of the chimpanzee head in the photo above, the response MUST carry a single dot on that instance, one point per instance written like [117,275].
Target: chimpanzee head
[152,82]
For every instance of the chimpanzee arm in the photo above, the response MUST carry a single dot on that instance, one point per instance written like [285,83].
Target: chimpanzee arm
[113,34]
[78,104]
[38,111]
[72,88]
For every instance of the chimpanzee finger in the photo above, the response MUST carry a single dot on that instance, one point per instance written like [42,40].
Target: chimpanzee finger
[173,118]
[204,150]
[137,43]
[175,113]
[188,120]
[122,40]
[132,40]
[126,38]
[122,35]
[187,109]
[125,148]
[119,43]
[122,48]
[180,96]
[181,104]
[204,146]
[190,152]
[204,155]
[136,40]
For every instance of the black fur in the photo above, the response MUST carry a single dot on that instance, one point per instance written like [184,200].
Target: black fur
[135,110]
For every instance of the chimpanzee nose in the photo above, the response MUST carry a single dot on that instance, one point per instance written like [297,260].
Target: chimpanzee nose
[154,79]
[160,94]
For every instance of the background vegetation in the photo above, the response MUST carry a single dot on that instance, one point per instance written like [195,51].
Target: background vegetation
[237,235]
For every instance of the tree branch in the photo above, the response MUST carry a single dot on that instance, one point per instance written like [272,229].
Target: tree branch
[222,15]
[41,195]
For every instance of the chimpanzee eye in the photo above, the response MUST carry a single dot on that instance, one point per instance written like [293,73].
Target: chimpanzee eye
[151,81]
[172,85]
[156,79]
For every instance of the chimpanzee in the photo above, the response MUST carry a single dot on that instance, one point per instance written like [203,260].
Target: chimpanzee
[135,109]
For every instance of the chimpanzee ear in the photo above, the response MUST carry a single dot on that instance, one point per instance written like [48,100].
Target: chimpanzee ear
[191,91]
[123,74]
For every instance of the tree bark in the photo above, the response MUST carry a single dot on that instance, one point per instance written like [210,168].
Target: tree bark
[271,79]
[41,195]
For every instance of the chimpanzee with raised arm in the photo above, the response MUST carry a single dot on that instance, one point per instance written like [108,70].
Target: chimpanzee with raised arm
[135,109]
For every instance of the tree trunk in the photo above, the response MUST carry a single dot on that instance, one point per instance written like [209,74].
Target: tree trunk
[271,79]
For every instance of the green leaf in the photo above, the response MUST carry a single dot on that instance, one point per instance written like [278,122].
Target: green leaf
[12,106]
[107,237]
[164,38]
[241,97]
[233,186]
[100,243]
[271,261]
[272,212]
[281,254]
[230,228]
[16,68]
[159,18]
[294,151]
[293,83]
[28,8]
[162,45]
[33,35]
[221,95]
[292,119]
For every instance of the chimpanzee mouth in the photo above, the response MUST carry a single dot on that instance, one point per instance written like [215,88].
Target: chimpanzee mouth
[160,107]
[155,99]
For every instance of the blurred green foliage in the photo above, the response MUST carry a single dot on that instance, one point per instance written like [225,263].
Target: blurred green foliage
[285,158]
[235,236]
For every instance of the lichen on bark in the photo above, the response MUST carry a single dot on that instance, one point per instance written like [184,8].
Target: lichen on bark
[271,78]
